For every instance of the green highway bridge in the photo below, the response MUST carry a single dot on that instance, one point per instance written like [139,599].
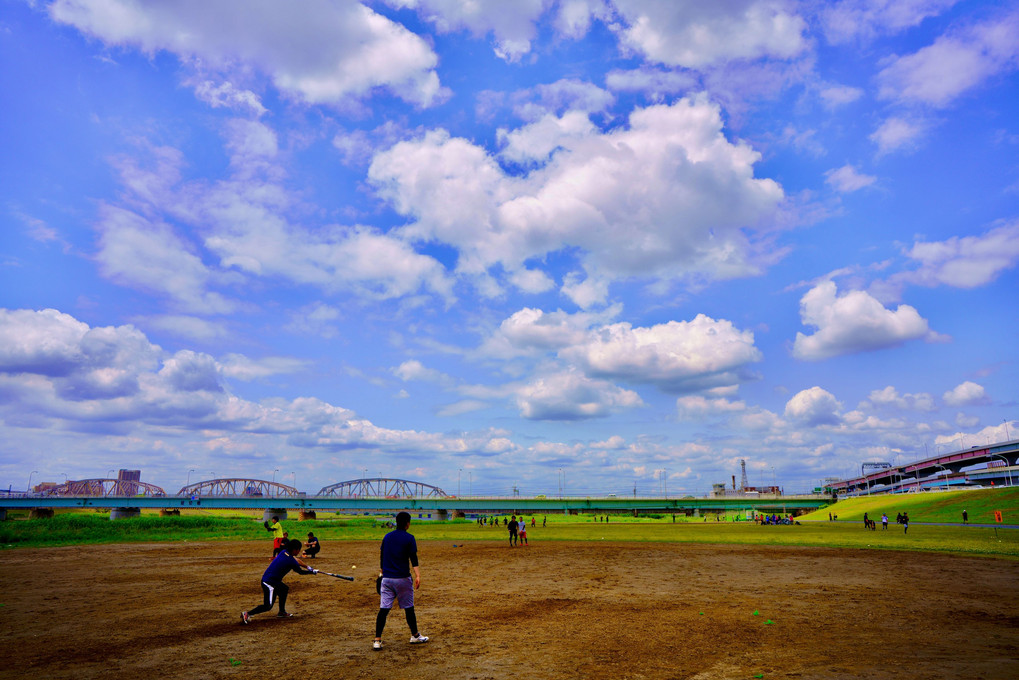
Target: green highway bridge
[443,506]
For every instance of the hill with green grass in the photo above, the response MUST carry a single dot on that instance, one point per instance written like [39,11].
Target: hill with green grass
[944,506]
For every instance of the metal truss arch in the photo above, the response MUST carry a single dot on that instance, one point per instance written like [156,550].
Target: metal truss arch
[380,487]
[235,487]
[106,488]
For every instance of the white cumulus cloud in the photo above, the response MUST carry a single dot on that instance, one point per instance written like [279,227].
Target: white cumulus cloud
[814,406]
[665,196]
[570,395]
[678,356]
[847,20]
[954,64]
[846,179]
[695,406]
[897,133]
[698,34]
[512,24]
[890,397]
[966,393]
[323,53]
[965,262]
[854,322]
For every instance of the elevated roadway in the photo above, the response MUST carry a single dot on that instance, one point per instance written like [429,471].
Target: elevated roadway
[946,470]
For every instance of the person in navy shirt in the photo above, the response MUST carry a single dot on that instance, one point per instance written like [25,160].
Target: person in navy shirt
[399,556]
[273,587]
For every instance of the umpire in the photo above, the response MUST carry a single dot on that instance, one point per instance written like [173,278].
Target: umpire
[399,555]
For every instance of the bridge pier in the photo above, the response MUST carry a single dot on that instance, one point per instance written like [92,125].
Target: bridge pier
[442,515]
[124,513]
[270,512]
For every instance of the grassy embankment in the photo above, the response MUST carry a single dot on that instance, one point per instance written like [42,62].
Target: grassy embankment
[68,528]
[944,506]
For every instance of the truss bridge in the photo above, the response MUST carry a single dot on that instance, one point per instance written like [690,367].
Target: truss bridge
[239,488]
[106,488]
[381,488]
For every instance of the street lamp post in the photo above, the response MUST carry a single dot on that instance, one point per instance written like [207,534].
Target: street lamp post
[458,473]
[1008,467]
[294,475]
[188,483]
[470,483]
[946,474]
[1005,423]
[274,475]
[29,489]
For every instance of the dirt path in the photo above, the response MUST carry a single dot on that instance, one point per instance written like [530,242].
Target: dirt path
[554,610]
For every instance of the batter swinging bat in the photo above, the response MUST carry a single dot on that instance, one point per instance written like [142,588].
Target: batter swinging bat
[345,578]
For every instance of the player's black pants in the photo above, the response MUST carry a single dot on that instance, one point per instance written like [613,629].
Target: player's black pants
[513,538]
[380,621]
[271,591]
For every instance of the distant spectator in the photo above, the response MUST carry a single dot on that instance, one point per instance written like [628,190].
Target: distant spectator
[965,517]
[905,522]
[884,520]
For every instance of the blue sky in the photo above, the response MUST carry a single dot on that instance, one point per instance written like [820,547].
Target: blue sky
[487,245]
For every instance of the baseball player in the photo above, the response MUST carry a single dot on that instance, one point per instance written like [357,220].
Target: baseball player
[273,587]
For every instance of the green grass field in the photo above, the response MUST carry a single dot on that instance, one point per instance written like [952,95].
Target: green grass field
[80,527]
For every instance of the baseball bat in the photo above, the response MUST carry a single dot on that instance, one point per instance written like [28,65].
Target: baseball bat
[345,578]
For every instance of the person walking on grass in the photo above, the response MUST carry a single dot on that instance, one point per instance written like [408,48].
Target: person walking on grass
[399,556]
[523,531]
[273,587]
[512,526]
[884,521]
[905,522]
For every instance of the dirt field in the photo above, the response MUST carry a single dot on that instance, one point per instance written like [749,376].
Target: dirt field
[554,610]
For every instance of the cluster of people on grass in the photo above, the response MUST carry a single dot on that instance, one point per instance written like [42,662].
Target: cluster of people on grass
[397,560]
[901,518]
[773,519]
[485,520]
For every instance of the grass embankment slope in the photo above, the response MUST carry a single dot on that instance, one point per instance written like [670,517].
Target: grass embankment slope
[946,506]
[72,528]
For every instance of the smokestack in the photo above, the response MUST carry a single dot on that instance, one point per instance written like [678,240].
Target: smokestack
[734,482]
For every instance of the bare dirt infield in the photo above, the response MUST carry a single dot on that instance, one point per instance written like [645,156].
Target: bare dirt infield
[554,610]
